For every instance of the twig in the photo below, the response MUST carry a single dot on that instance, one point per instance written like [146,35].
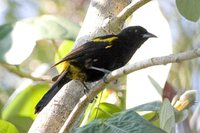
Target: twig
[15,70]
[118,21]
[130,9]
[85,100]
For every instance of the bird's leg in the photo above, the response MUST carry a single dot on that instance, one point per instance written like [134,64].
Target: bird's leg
[86,89]
[100,69]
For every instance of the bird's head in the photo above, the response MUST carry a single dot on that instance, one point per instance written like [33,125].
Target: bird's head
[135,33]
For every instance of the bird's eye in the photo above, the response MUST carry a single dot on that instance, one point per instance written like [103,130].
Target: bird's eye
[136,31]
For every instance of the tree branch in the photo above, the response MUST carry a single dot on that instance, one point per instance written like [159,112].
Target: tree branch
[117,21]
[130,9]
[18,72]
[85,100]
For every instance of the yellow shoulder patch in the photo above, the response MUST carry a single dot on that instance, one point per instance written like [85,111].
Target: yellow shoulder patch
[110,39]
[108,46]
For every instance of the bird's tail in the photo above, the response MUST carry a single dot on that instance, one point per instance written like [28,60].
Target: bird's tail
[61,81]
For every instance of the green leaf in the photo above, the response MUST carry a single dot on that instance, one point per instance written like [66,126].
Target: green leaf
[22,123]
[5,30]
[4,94]
[167,117]
[91,110]
[149,111]
[156,85]
[105,110]
[26,32]
[44,51]
[64,48]
[152,117]
[181,115]
[189,9]
[5,39]
[7,127]
[23,103]
[152,106]
[127,121]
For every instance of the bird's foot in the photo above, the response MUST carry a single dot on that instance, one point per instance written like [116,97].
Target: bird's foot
[86,89]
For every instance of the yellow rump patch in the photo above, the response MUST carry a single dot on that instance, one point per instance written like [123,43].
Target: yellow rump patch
[76,74]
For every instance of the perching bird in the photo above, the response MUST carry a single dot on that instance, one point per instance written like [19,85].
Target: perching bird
[92,60]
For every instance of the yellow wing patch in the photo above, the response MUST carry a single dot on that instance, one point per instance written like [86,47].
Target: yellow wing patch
[110,39]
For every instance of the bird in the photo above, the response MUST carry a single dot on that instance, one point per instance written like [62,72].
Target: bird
[95,58]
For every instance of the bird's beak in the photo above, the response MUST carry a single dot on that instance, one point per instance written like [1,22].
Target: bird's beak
[149,35]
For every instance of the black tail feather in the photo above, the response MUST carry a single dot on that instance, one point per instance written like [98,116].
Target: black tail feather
[51,93]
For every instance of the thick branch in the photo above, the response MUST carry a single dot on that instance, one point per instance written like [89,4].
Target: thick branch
[85,100]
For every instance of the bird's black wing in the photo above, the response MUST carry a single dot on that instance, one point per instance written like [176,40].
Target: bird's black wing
[95,44]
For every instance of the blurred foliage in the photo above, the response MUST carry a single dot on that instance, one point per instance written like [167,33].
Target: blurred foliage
[15,40]
[184,75]
[5,39]
[20,108]
[7,127]
[189,9]
[26,46]
[64,48]
[23,104]
[71,9]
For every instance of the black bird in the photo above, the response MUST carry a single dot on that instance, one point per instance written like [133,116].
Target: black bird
[90,61]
